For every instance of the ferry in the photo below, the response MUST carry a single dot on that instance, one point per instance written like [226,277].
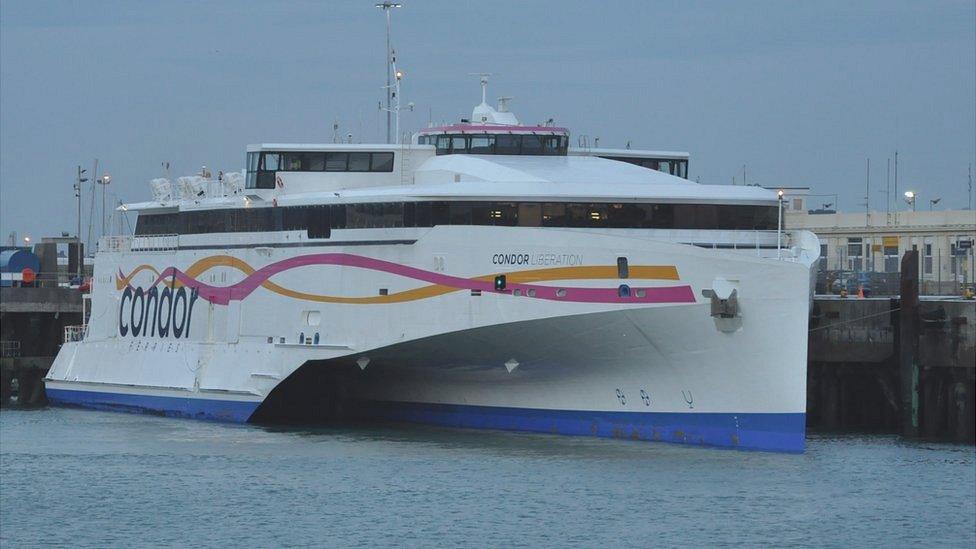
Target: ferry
[483,275]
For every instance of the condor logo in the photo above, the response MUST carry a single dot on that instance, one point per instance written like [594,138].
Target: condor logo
[151,313]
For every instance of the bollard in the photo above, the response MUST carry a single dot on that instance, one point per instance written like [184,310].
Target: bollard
[908,343]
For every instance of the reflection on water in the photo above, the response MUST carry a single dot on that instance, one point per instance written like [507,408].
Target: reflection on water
[91,478]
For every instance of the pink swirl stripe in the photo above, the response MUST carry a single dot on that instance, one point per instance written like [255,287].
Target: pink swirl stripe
[222,295]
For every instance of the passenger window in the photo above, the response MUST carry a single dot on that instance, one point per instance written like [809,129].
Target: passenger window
[482,144]
[530,214]
[315,162]
[292,162]
[664,166]
[623,271]
[270,162]
[382,162]
[359,162]
[336,162]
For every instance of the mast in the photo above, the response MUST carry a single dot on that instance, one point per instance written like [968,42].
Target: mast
[387,6]
[867,196]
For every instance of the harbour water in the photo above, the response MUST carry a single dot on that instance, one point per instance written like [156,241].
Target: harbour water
[83,478]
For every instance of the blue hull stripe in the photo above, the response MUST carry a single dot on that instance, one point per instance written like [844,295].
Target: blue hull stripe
[197,408]
[751,431]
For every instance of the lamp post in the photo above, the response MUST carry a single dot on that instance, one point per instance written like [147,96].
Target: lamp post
[910,197]
[779,225]
[78,181]
[104,181]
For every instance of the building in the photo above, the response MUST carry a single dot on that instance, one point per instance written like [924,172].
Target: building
[873,242]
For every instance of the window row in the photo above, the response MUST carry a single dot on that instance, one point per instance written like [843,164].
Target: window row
[538,145]
[319,220]
[671,166]
[261,166]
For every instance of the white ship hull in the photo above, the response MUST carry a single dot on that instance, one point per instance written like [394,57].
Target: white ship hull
[404,324]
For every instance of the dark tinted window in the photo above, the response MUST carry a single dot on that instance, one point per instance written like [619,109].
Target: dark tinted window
[336,161]
[482,144]
[508,144]
[319,220]
[381,162]
[532,144]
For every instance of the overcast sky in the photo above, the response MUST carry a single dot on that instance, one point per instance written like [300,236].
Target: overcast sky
[801,93]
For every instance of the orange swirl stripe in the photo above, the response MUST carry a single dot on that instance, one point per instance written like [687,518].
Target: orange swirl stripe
[598,272]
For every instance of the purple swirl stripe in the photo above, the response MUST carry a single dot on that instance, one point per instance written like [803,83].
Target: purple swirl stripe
[222,295]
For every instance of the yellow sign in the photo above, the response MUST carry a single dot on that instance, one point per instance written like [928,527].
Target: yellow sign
[890,241]
[875,248]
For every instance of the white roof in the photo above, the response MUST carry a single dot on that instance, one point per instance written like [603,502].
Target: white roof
[327,147]
[629,153]
[502,177]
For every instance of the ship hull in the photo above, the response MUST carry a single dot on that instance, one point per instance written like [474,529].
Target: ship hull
[652,363]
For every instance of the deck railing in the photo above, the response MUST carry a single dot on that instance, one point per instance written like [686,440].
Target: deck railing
[142,243]
[75,333]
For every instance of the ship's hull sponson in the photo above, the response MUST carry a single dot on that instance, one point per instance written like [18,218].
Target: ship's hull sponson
[414,331]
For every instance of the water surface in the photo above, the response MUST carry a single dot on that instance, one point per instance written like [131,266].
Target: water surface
[96,479]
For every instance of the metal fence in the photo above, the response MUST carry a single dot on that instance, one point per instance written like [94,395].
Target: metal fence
[938,275]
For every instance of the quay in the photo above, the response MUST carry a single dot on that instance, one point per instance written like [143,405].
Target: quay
[37,304]
[899,364]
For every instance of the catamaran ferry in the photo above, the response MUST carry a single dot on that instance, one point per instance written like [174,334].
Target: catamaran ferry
[483,275]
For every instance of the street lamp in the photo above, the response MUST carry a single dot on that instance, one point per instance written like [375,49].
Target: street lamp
[910,197]
[104,181]
[779,224]
[933,202]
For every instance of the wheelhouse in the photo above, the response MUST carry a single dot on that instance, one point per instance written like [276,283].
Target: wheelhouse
[498,139]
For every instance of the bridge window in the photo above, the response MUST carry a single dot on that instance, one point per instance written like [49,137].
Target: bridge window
[508,144]
[532,144]
[459,144]
[482,144]
[555,145]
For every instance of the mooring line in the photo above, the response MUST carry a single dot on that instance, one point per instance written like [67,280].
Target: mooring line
[889,311]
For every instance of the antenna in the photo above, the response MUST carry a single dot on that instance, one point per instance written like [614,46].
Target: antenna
[484,84]
[970,186]
[867,196]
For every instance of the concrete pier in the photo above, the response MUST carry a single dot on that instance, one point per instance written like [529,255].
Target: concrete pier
[898,365]
[32,322]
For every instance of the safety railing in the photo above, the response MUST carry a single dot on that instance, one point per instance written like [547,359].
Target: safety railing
[75,333]
[142,243]
[9,349]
